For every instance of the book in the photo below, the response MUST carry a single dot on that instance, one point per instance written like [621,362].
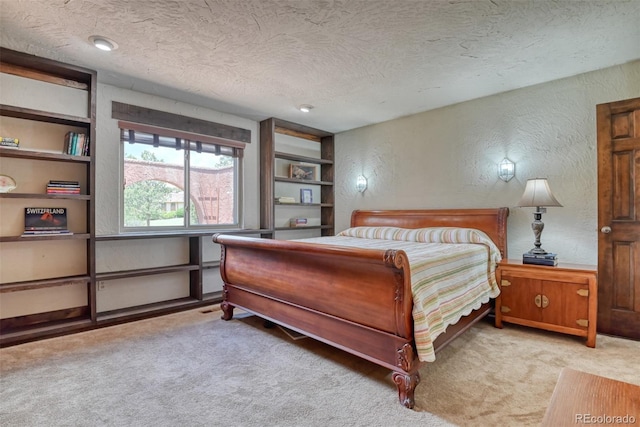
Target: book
[64,183]
[297,222]
[8,139]
[294,335]
[285,199]
[9,142]
[548,255]
[55,190]
[63,187]
[540,261]
[45,219]
[76,144]
[46,232]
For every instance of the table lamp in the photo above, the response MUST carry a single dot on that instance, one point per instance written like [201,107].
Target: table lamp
[538,194]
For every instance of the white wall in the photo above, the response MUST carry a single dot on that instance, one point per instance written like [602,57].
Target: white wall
[447,158]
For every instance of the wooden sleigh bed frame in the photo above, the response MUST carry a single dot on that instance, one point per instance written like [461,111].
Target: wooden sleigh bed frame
[358,300]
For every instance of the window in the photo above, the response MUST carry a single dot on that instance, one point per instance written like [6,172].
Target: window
[175,179]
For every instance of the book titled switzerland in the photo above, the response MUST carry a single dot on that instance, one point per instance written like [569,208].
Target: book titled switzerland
[45,221]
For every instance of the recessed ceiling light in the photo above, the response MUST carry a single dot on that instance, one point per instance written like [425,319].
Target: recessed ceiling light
[103,43]
[305,108]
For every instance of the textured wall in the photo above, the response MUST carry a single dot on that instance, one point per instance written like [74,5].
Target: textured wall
[447,158]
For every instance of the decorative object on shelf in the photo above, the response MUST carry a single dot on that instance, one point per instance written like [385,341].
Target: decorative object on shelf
[506,170]
[9,142]
[285,199]
[306,195]
[297,222]
[538,194]
[361,183]
[300,171]
[7,184]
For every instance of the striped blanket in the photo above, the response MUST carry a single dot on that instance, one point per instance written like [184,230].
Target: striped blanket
[452,272]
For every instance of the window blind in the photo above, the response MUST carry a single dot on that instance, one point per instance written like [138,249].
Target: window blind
[180,140]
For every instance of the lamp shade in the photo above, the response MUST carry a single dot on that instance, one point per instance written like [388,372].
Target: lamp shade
[537,193]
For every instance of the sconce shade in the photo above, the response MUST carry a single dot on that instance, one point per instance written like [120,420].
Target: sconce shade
[361,183]
[538,194]
[506,170]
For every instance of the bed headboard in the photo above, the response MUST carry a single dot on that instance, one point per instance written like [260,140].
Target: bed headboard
[491,221]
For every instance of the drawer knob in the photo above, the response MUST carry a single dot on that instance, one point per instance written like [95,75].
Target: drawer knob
[505,282]
[606,229]
[583,292]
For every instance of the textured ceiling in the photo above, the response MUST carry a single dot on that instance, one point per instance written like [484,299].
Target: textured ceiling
[358,62]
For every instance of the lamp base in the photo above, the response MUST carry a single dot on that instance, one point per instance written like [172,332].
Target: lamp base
[537,251]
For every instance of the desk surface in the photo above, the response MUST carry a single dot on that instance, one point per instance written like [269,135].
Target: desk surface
[580,398]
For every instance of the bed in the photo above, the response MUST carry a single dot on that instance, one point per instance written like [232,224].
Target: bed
[358,299]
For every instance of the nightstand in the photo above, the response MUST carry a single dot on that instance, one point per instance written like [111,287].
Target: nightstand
[562,299]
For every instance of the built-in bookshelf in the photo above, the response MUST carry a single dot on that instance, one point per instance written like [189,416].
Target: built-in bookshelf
[47,280]
[60,283]
[297,174]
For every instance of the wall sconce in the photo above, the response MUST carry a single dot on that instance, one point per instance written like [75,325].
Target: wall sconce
[506,170]
[361,183]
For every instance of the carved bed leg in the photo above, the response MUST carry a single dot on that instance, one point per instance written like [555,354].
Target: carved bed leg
[406,387]
[227,310]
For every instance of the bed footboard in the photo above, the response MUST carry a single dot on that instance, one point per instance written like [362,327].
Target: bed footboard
[358,300]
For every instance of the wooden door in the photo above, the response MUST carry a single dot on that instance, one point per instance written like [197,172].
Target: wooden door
[619,218]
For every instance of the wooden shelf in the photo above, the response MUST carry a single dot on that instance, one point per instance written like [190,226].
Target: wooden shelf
[44,196]
[144,272]
[306,227]
[168,234]
[51,329]
[210,264]
[148,310]
[304,159]
[19,153]
[43,116]
[324,205]
[301,181]
[41,237]
[45,283]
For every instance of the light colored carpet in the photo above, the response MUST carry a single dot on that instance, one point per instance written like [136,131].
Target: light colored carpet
[193,369]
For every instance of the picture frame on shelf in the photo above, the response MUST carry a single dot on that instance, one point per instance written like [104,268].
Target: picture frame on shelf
[306,195]
[302,171]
